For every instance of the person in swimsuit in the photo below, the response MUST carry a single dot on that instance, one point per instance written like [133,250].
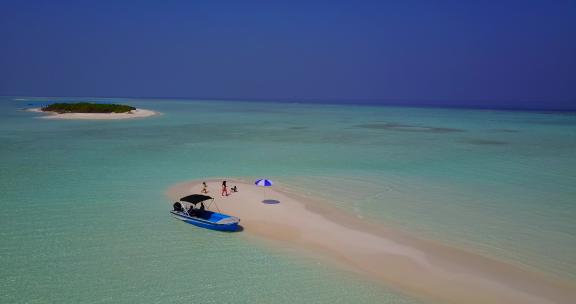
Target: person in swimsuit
[224,189]
[204,188]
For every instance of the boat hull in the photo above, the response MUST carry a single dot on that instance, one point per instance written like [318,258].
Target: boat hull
[203,223]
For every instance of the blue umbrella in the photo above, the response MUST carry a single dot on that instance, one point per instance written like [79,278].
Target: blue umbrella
[266,183]
[263,182]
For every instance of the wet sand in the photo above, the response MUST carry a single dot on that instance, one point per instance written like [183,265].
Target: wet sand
[420,267]
[138,113]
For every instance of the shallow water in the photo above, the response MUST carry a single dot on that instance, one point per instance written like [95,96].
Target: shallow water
[84,217]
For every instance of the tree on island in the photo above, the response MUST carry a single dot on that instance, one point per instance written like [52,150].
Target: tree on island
[86,107]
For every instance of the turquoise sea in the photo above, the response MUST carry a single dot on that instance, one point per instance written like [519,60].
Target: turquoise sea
[84,217]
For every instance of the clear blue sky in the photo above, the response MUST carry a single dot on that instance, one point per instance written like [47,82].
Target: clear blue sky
[505,53]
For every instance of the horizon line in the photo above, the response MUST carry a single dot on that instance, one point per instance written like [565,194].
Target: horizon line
[474,104]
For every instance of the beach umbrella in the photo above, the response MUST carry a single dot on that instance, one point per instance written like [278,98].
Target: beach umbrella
[263,182]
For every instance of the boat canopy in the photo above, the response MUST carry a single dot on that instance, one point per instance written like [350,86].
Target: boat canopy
[195,198]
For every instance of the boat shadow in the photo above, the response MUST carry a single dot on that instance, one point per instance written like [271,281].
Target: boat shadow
[271,201]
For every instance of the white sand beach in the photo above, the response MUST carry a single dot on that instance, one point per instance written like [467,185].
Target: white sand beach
[138,113]
[420,267]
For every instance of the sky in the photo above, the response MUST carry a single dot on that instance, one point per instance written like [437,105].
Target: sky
[469,53]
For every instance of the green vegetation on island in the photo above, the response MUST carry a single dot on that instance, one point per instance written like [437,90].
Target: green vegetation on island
[86,107]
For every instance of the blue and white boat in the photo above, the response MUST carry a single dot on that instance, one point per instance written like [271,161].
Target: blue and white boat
[185,210]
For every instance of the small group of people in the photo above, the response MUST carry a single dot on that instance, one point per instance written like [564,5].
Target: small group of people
[224,189]
[191,211]
[196,212]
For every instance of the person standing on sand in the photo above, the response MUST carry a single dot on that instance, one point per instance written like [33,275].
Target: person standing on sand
[204,188]
[224,189]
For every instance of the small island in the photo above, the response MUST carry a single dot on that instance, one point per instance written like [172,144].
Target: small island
[88,110]
[86,107]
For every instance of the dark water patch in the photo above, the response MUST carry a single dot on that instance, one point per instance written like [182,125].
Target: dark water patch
[563,122]
[505,130]
[489,142]
[408,128]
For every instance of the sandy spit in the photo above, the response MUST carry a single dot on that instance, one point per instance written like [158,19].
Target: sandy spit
[423,268]
[138,113]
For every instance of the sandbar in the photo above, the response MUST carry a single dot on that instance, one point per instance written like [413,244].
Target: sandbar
[138,113]
[423,268]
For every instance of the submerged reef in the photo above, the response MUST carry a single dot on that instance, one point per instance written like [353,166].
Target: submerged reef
[407,128]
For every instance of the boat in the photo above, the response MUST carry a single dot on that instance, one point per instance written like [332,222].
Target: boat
[191,209]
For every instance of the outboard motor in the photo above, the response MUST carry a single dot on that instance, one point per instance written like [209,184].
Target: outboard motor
[178,207]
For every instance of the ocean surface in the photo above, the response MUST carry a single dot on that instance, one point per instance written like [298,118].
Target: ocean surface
[84,216]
